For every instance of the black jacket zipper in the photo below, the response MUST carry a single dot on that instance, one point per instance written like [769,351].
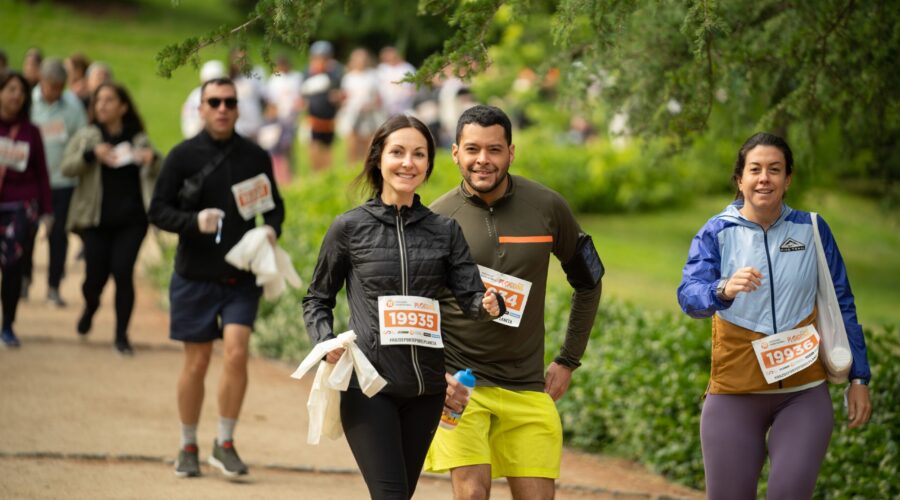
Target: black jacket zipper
[404,283]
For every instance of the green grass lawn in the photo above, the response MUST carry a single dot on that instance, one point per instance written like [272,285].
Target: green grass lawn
[126,35]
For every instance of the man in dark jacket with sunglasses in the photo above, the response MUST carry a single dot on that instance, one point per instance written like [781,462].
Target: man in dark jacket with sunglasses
[209,298]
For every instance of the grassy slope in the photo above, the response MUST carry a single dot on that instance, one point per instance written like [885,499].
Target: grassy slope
[127,36]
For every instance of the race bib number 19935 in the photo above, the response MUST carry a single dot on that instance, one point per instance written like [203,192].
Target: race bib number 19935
[409,320]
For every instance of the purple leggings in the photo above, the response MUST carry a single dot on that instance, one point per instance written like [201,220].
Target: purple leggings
[733,431]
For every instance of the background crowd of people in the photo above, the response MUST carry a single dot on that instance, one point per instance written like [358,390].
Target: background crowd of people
[92,141]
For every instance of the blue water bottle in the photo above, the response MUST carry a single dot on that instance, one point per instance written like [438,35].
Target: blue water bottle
[466,378]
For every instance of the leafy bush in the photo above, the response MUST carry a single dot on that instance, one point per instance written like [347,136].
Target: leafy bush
[638,391]
[865,463]
[638,395]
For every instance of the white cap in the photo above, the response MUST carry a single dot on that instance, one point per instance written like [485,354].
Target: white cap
[212,70]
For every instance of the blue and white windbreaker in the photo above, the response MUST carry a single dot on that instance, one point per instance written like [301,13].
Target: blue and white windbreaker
[785,254]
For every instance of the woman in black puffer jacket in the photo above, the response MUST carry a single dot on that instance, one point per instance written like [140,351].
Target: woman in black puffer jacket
[393,247]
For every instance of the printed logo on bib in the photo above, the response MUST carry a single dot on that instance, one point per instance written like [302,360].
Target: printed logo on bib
[513,290]
[253,196]
[791,245]
[409,320]
[14,154]
[786,353]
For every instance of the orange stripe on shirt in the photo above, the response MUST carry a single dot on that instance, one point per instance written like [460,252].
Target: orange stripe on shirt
[527,239]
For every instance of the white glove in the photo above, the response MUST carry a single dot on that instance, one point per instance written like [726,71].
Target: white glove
[208,220]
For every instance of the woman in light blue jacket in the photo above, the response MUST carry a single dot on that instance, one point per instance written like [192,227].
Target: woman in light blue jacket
[753,269]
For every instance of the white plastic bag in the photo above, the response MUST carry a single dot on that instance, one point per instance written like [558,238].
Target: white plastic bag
[835,348]
[324,398]
[271,264]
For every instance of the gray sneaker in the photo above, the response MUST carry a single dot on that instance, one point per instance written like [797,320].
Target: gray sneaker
[54,297]
[188,463]
[225,458]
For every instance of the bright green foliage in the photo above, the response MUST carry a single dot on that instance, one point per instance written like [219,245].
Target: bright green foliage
[666,64]
[865,463]
[638,391]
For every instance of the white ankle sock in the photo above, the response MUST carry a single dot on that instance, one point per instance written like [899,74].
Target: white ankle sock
[226,429]
[188,435]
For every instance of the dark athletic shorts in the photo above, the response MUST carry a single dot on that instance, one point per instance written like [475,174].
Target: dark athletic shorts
[326,138]
[199,310]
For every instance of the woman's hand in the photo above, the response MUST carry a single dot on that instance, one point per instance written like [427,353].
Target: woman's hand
[490,303]
[333,356]
[859,407]
[104,154]
[143,156]
[745,279]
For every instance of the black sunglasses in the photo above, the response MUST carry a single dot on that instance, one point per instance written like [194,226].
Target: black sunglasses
[215,102]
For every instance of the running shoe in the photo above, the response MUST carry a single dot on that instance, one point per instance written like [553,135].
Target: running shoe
[84,324]
[54,297]
[225,458]
[9,338]
[124,348]
[188,463]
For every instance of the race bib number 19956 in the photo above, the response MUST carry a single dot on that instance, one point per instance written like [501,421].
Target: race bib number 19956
[409,320]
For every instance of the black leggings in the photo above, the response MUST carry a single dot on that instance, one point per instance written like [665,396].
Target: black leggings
[11,286]
[389,437]
[58,239]
[111,251]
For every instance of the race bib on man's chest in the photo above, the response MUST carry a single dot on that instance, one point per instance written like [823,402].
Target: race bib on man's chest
[409,320]
[253,196]
[513,290]
[54,131]
[14,154]
[786,353]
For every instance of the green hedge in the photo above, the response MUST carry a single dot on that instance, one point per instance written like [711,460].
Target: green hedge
[638,395]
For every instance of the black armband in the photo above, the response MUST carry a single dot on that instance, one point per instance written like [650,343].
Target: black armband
[584,270]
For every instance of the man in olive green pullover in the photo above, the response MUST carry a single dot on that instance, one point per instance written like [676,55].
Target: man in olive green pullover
[511,427]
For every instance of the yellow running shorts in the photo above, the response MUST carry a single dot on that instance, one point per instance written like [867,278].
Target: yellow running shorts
[517,432]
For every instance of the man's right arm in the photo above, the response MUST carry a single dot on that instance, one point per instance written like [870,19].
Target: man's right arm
[165,211]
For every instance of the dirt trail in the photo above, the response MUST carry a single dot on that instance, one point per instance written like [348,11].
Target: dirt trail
[82,422]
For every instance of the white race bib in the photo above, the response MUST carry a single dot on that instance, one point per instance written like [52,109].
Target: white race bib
[513,290]
[253,196]
[409,320]
[54,131]
[14,154]
[786,353]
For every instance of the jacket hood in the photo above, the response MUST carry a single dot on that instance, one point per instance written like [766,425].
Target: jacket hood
[388,213]
[732,213]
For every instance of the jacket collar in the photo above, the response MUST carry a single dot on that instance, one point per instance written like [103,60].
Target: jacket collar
[208,139]
[388,213]
[478,202]
[732,213]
